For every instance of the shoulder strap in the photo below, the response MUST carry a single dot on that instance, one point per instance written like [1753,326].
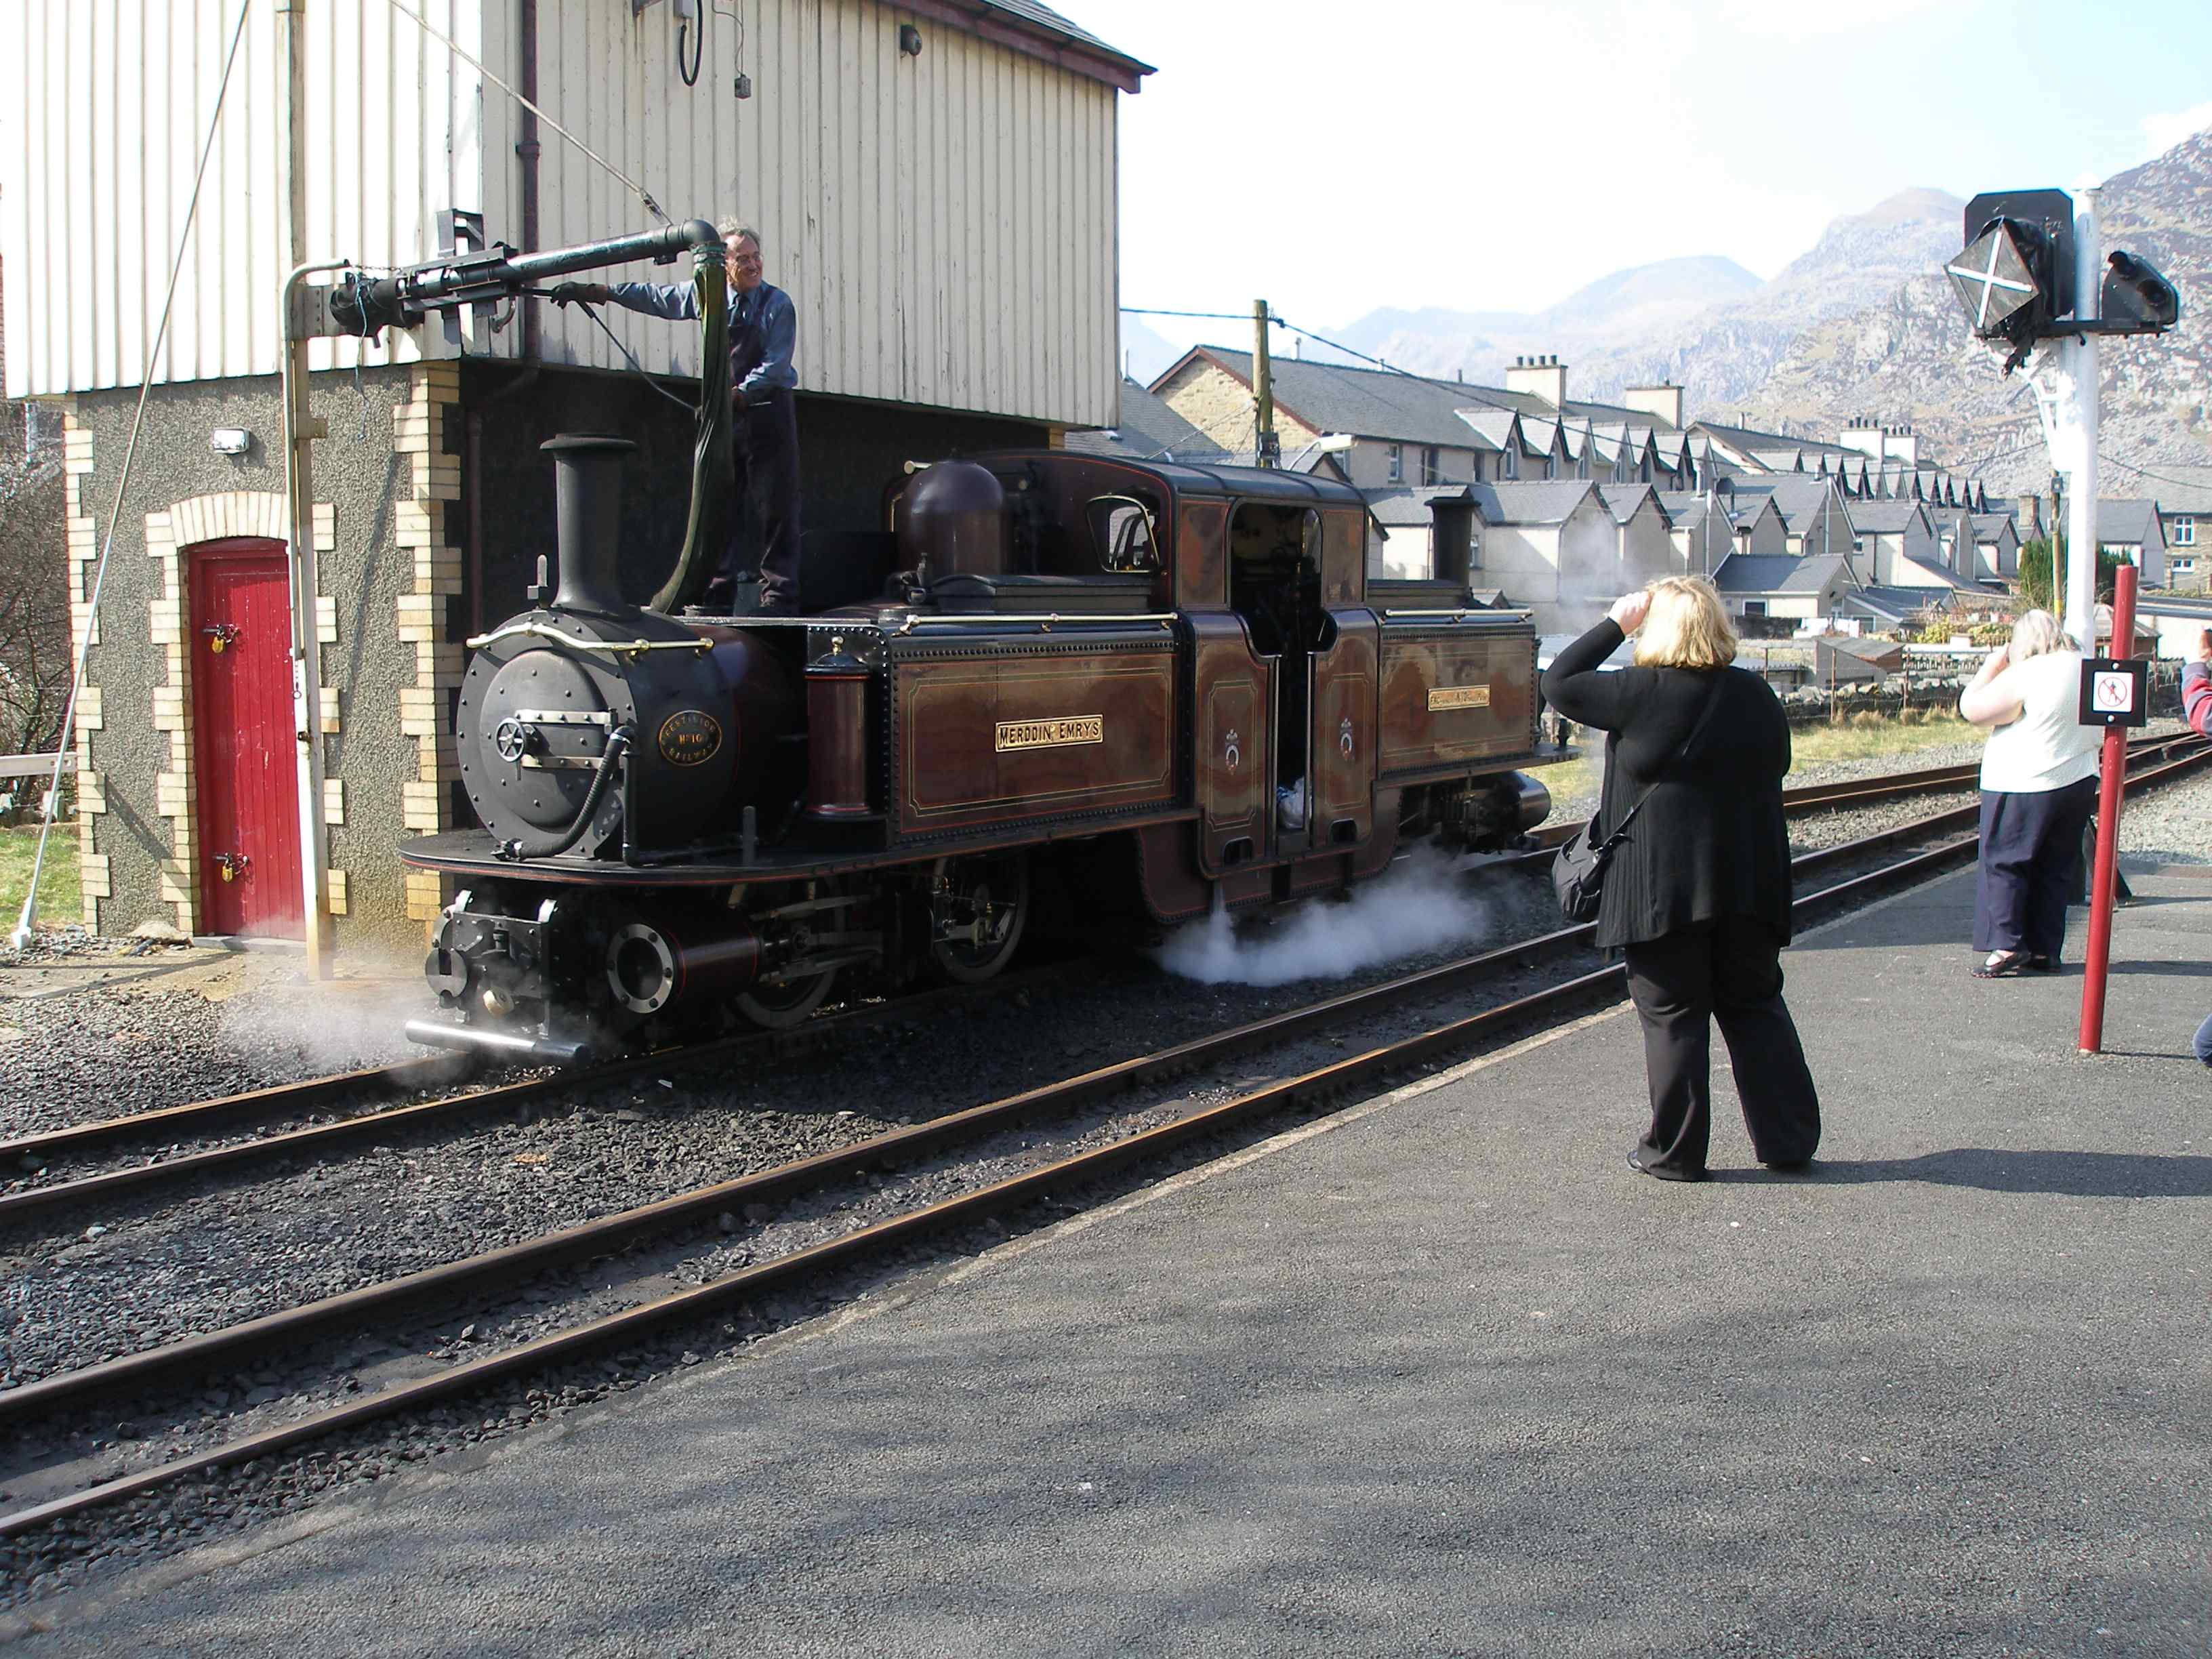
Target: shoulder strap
[1712,701]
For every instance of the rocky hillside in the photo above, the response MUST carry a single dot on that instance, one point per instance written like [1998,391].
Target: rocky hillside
[1594,322]
[1909,357]
[1706,323]
[1730,351]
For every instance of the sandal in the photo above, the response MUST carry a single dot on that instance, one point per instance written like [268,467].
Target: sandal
[2003,965]
[2044,964]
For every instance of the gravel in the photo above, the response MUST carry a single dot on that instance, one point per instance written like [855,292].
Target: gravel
[199,1024]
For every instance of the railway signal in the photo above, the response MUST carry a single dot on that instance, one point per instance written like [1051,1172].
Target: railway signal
[2030,279]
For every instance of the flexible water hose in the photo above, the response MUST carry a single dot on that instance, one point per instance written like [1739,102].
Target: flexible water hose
[618,741]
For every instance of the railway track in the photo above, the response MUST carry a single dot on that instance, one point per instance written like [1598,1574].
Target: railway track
[173,1366]
[30,1201]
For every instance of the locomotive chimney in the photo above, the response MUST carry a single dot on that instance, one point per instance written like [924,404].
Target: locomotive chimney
[587,505]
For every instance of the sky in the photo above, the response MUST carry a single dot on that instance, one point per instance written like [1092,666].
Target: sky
[1333,158]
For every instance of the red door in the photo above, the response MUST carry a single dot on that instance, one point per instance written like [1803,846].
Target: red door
[243,747]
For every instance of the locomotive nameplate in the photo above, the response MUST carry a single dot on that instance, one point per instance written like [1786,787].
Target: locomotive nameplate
[1459,696]
[1051,734]
[689,736]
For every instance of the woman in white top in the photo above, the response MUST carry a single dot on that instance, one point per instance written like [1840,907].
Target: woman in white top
[2039,788]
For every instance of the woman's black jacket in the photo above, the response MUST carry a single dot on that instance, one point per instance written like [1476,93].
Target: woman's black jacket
[1711,841]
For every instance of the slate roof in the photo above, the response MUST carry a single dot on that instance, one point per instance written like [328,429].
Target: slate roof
[1777,572]
[1149,430]
[1747,440]
[1989,526]
[1399,509]
[1744,511]
[1684,508]
[2181,489]
[1797,498]
[1895,604]
[1493,428]
[1371,403]
[1885,516]
[2129,523]
[1527,402]
[1551,501]
[1623,501]
[1033,18]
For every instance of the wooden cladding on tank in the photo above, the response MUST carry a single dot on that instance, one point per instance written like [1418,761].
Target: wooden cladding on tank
[1451,695]
[1010,732]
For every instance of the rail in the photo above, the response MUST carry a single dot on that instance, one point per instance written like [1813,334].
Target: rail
[175,1363]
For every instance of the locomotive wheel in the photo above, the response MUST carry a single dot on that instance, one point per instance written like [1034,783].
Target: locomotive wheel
[991,887]
[779,1007]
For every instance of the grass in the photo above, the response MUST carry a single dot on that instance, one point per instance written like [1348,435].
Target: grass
[60,900]
[1574,784]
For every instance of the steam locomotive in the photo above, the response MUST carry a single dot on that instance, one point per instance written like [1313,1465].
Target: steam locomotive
[1119,693]
[1154,688]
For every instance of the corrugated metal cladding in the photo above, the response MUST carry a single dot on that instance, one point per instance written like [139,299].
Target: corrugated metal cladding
[946,222]
[96,162]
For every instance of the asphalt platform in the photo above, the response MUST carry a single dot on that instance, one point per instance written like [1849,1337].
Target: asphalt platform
[1436,1374]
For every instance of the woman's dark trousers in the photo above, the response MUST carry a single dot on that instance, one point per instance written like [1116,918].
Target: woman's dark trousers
[2029,844]
[1729,969]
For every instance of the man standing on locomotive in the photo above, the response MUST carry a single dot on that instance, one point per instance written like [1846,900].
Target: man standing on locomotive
[764,426]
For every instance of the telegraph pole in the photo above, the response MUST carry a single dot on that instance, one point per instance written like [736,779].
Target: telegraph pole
[2057,552]
[1268,448]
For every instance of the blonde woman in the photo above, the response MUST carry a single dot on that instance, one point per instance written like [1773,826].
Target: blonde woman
[1696,898]
[2039,788]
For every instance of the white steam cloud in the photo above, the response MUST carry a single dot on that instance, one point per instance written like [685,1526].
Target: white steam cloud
[333,1025]
[1419,905]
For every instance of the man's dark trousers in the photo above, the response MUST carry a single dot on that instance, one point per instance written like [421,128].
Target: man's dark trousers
[1729,969]
[764,490]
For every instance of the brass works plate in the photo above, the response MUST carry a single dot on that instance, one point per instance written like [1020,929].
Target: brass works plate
[690,736]
[1459,696]
[1052,734]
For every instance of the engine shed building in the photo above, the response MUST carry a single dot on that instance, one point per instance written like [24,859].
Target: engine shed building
[935,185]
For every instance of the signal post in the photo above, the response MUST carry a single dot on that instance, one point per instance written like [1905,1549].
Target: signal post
[2031,279]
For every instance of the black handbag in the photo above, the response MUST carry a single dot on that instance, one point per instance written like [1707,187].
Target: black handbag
[1578,872]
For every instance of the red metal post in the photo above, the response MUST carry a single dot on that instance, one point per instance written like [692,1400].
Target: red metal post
[2112,776]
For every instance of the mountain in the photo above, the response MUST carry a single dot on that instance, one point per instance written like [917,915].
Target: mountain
[1909,357]
[1626,305]
[1144,356]
[1730,351]
[1706,323]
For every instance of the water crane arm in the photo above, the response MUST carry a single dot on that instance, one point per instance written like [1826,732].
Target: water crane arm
[366,305]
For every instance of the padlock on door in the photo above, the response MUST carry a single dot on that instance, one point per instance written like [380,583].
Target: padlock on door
[232,866]
[220,635]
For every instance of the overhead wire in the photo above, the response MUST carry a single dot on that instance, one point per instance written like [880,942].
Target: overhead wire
[462,52]
[644,373]
[2147,472]
[22,935]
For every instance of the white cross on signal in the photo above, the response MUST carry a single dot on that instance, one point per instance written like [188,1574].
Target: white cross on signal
[1989,279]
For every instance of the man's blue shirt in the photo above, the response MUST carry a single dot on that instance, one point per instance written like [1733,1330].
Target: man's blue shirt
[766,308]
